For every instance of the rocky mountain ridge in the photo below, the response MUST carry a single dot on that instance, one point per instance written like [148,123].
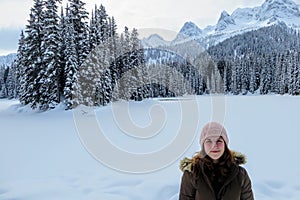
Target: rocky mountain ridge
[240,21]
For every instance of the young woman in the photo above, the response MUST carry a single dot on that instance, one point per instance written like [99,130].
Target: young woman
[214,173]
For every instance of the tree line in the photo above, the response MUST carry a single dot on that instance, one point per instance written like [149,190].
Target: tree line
[264,61]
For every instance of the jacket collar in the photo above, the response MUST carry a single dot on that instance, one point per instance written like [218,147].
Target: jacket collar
[186,163]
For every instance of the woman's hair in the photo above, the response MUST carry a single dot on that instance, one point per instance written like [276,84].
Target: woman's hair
[215,170]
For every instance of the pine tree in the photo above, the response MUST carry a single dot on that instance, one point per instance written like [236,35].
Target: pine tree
[33,51]
[135,43]
[123,61]
[49,89]
[78,17]
[89,75]
[20,64]
[252,78]
[244,76]
[293,74]
[113,45]
[297,73]
[283,84]
[112,27]
[126,47]
[3,77]
[62,58]
[101,20]
[71,93]
[99,30]
[93,32]
[11,82]
[267,72]
[234,77]
[278,76]
[137,62]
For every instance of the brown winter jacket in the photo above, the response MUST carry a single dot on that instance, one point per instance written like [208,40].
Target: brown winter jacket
[236,187]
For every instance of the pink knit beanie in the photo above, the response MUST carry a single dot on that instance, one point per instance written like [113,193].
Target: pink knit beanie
[213,129]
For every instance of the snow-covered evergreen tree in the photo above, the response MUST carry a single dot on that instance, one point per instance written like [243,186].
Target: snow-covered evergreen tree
[293,72]
[114,51]
[295,76]
[71,93]
[126,45]
[138,78]
[101,22]
[244,76]
[49,79]
[78,17]
[33,51]
[20,64]
[3,77]
[11,82]
[90,73]
[62,58]
[235,77]
[93,32]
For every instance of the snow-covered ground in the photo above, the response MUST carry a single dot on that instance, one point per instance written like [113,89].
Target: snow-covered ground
[47,156]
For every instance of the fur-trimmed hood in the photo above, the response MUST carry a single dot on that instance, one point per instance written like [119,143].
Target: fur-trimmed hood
[186,163]
[201,186]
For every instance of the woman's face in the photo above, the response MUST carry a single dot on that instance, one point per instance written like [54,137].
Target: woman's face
[214,147]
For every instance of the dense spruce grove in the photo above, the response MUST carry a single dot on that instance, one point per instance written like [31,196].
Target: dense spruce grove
[53,50]
[73,59]
[264,61]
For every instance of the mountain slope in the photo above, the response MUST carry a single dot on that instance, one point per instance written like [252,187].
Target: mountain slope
[7,60]
[242,20]
[154,40]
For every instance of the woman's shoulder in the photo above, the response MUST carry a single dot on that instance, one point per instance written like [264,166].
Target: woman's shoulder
[239,158]
[242,171]
[186,164]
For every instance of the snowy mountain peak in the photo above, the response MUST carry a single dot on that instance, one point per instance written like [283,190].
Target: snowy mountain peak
[278,10]
[241,21]
[189,32]
[190,29]
[224,21]
[154,40]
[223,16]
[155,37]
[7,60]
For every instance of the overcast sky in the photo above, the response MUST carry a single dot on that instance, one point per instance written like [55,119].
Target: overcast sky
[141,14]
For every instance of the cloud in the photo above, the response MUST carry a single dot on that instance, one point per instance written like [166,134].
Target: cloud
[14,13]
[169,14]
